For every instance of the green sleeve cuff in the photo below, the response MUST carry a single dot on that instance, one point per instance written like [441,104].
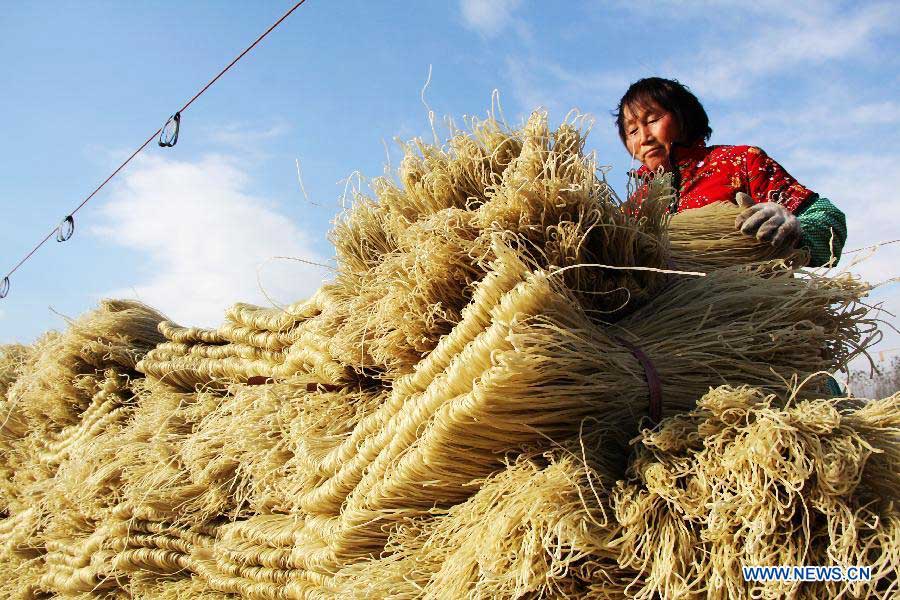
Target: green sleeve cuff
[823,231]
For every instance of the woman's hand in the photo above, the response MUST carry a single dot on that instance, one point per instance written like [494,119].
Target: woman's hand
[767,221]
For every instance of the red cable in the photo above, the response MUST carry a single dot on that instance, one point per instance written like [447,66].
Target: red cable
[158,131]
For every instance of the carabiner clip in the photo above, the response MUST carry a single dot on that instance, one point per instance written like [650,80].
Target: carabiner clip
[65,229]
[4,287]
[168,137]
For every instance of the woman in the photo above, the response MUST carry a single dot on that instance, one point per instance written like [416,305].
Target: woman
[665,127]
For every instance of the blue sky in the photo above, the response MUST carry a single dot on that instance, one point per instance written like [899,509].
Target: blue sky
[195,228]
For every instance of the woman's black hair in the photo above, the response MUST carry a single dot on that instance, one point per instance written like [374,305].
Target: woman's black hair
[672,96]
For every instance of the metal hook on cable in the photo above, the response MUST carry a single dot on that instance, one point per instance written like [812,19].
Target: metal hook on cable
[168,136]
[4,287]
[66,229]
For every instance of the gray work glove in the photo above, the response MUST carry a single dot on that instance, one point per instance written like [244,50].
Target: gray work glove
[767,221]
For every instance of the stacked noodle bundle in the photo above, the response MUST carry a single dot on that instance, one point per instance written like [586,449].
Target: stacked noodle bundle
[14,359]
[158,482]
[741,482]
[253,342]
[148,586]
[408,262]
[61,416]
[76,561]
[737,482]
[20,551]
[156,547]
[58,385]
[539,528]
[705,239]
[117,504]
[446,418]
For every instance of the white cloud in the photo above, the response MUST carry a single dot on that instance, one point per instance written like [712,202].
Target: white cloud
[808,38]
[201,238]
[539,82]
[839,117]
[750,43]
[242,135]
[488,17]
[880,113]
[731,60]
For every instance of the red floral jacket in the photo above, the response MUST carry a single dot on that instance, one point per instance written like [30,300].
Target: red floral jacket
[708,174]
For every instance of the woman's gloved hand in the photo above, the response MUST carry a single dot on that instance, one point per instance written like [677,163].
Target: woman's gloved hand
[767,221]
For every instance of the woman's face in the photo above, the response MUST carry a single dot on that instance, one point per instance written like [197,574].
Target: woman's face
[650,132]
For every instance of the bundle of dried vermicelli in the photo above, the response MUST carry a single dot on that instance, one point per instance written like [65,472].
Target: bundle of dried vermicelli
[759,325]
[407,262]
[253,342]
[253,446]
[539,528]
[75,561]
[74,390]
[705,239]
[331,533]
[394,313]
[20,548]
[195,457]
[332,456]
[83,461]
[86,504]
[93,535]
[149,586]
[157,483]
[262,558]
[404,271]
[97,561]
[408,259]
[160,548]
[551,201]
[518,398]
[742,482]
[14,359]
[71,507]
[116,335]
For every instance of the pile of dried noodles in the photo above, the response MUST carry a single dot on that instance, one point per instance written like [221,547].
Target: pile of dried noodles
[741,481]
[449,415]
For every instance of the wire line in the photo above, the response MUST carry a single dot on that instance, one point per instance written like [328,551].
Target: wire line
[158,131]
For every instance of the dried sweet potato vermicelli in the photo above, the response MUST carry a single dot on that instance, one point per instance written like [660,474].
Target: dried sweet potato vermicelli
[454,414]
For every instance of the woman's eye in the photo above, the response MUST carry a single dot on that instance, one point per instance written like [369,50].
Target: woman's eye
[632,131]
